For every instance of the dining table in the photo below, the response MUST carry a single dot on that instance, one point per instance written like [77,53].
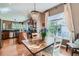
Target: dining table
[37,45]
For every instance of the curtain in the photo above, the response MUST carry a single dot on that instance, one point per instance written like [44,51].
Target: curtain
[46,18]
[69,21]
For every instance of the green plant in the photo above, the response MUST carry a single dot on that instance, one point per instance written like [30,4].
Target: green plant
[43,34]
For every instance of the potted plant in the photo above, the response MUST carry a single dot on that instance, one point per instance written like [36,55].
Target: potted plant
[43,34]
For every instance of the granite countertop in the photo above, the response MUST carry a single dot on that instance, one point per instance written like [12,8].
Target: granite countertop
[12,30]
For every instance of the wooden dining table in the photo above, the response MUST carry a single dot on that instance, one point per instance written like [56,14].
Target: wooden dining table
[35,48]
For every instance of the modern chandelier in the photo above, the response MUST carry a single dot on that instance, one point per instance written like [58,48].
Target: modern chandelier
[34,11]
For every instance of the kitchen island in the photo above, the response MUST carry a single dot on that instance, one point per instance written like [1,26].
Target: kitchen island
[9,33]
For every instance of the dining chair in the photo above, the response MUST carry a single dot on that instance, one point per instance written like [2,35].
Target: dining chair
[57,46]
[74,46]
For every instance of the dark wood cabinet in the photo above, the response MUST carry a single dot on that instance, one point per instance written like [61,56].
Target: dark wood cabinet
[5,35]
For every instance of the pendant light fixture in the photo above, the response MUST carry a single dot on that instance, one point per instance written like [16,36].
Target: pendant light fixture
[34,11]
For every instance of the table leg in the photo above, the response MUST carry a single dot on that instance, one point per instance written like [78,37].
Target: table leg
[66,47]
[72,51]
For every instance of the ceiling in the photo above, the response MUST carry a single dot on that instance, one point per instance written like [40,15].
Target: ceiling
[20,11]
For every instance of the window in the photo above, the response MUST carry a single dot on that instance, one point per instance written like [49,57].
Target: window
[57,24]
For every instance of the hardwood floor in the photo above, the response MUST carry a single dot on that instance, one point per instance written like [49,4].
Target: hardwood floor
[11,48]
